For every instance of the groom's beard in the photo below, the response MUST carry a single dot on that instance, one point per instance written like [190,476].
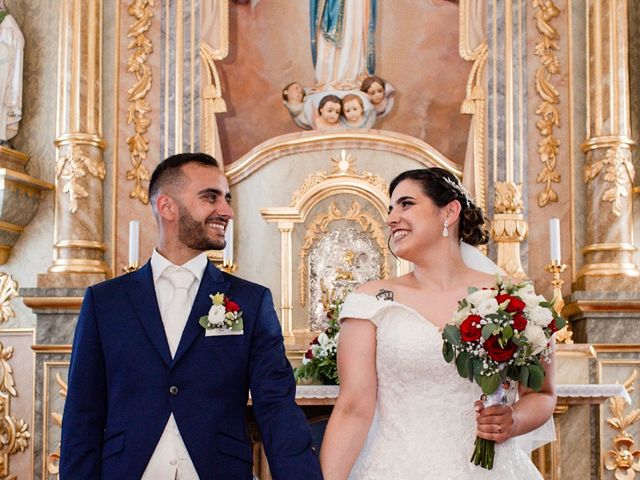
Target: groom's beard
[195,235]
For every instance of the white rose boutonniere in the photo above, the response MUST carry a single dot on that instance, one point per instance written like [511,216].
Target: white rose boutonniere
[224,317]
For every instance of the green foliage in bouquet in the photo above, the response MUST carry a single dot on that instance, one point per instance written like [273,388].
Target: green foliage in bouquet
[320,360]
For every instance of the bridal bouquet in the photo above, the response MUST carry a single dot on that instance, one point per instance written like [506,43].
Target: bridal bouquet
[499,336]
[320,360]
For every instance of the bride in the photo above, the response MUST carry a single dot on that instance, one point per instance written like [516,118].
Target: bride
[403,412]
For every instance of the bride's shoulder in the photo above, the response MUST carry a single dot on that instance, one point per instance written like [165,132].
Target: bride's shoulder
[374,287]
[480,279]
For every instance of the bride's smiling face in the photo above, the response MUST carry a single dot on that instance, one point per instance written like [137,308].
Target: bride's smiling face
[414,220]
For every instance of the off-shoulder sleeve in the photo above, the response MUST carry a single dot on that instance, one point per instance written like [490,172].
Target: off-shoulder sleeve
[362,306]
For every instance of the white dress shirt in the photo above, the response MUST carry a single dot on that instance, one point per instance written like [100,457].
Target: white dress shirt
[170,459]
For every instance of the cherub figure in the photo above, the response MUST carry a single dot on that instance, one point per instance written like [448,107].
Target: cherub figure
[353,111]
[380,92]
[329,111]
[294,95]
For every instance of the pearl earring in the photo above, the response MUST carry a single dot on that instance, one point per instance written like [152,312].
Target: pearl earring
[445,229]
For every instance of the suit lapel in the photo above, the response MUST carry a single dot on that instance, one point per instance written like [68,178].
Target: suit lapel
[142,295]
[213,281]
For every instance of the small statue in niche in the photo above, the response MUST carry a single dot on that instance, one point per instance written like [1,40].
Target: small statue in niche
[11,59]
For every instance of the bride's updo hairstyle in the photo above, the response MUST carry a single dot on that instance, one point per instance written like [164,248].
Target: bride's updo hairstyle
[442,187]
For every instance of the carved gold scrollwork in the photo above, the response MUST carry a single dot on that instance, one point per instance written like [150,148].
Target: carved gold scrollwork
[548,146]
[8,291]
[619,172]
[508,198]
[139,108]
[319,226]
[14,432]
[73,167]
[624,460]
[509,227]
[53,459]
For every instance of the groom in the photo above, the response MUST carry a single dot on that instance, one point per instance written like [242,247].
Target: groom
[155,394]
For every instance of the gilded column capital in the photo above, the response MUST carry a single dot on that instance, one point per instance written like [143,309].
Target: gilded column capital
[509,227]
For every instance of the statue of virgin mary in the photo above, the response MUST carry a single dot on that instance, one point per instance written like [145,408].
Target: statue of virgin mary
[342,41]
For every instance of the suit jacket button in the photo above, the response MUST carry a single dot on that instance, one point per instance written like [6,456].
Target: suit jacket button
[173,390]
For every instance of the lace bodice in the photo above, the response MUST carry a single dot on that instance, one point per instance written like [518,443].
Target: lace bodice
[424,425]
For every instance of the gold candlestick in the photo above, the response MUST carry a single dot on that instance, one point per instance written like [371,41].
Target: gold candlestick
[130,267]
[228,267]
[564,334]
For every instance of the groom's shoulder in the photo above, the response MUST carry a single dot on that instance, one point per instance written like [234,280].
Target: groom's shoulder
[243,284]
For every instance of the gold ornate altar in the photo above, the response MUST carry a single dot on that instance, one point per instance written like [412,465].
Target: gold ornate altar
[533,103]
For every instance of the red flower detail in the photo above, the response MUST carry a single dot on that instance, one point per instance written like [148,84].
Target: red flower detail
[469,328]
[519,322]
[309,354]
[231,306]
[315,341]
[552,326]
[515,303]
[496,352]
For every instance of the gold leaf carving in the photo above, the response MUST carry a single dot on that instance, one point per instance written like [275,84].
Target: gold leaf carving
[8,291]
[548,145]
[623,459]
[73,167]
[618,172]
[319,227]
[508,198]
[342,166]
[139,107]
[14,432]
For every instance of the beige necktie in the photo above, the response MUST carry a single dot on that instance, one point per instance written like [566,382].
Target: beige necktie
[177,312]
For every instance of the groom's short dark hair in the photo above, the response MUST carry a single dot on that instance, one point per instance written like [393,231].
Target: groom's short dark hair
[168,171]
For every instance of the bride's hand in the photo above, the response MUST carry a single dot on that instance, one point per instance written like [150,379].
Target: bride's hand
[495,422]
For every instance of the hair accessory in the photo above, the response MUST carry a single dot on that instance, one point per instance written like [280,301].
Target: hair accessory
[445,229]
[458,187]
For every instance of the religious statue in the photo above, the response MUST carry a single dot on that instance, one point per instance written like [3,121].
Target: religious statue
[342,40]
[343,52]
[11,57]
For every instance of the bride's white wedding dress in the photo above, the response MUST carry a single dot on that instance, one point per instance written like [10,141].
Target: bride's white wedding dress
[424,425]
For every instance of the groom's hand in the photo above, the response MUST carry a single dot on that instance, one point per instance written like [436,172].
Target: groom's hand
[495,422]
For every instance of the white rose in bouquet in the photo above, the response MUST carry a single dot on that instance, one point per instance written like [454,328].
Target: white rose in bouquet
[486,307]
[479,296]
[537,339]
[539,316]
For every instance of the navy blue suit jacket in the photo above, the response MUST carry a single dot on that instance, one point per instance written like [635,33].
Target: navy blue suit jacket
[123,385]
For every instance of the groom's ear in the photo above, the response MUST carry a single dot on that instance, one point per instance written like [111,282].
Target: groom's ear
[166,207]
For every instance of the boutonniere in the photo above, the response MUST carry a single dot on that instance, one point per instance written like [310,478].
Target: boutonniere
[224,317]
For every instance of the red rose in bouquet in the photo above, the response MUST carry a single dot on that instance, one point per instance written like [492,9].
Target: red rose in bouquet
[470,329]
[232,306]
[498,352]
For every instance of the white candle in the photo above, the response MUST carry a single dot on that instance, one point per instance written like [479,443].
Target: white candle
[227,253]
[554,239]
[134,242]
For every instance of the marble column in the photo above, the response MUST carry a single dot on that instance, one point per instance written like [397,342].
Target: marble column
[80,169]
[507,119]
[608,170]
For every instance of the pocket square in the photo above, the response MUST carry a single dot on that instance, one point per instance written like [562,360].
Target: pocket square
[216,332]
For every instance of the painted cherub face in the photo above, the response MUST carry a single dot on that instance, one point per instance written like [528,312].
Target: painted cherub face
[330,112]
[295,93]
[375,93]
[353,110]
